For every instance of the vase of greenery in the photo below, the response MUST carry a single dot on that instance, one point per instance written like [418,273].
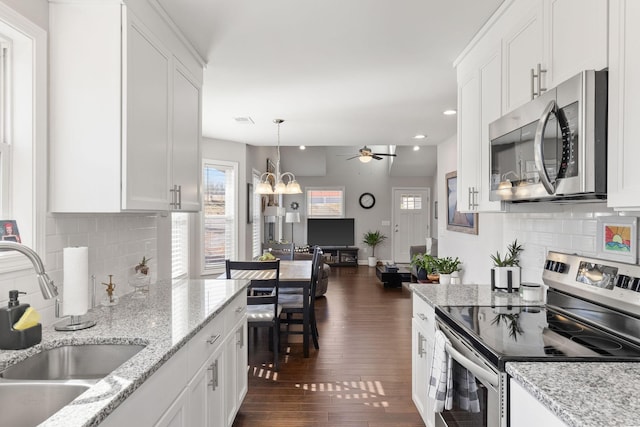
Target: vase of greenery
[445,267]
[509,263]
[425,266]
[373,239]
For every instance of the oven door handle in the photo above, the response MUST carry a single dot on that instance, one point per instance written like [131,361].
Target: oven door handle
[484,374]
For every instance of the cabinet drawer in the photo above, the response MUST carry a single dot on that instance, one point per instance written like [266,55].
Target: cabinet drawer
[235,312]
[423,313]
[205,342]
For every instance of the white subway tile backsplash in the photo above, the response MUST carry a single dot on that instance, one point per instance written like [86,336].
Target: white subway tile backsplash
[116,243]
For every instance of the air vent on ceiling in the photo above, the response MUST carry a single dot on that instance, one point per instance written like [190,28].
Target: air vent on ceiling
[244,120]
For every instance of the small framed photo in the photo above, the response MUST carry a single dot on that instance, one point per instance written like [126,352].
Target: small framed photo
[617,238]
[9,231]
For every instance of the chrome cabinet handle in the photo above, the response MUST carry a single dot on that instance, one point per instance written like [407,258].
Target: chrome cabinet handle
[537,75]
[240,309]
[422,316]
[179,201]
[240,341]
[532,79]
[213,338]
[421,340]
[214,373]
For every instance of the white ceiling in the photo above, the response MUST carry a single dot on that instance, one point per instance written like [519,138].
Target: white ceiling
[339,72]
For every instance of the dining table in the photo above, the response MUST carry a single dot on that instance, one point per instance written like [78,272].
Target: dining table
[295,276]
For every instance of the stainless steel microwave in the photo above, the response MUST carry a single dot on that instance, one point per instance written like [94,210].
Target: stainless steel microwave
[555,146]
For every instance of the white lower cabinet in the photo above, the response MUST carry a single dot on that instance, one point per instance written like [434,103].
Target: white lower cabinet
[202,385]
[423,331]
[526,411]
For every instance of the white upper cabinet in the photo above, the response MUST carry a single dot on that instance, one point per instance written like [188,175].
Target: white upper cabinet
[523,50]
[623,179]
[125,120]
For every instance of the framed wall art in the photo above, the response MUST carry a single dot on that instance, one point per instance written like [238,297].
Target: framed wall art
[456,220]
[617,238]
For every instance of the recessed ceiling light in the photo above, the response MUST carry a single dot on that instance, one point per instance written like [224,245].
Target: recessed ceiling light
[449,112]
[420,136]
[244,120]
[302,147]
[416,147]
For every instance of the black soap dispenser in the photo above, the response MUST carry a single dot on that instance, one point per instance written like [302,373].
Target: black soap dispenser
[12,339]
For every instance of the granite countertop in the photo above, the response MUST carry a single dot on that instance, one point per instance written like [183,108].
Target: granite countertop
[581,394]
[587,394]
[164,322]
[436,294]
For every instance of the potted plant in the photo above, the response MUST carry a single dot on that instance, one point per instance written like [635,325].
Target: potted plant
[425,267]
[509,263]
[445,267]
[373,239]
[143,266]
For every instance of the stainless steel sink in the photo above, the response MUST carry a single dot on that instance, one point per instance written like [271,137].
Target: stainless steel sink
[72,362]
[27,404]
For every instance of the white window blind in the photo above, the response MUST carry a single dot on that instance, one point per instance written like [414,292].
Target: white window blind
[325,202]
[179,245]
[219,215]
[256,220]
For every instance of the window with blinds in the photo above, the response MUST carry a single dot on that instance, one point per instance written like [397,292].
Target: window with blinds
[325,202]
[179,245]
[219,215]
[411,202]
[256,220]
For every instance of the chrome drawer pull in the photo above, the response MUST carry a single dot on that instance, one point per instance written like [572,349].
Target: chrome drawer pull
[213,338]
[422,316]
[239,309]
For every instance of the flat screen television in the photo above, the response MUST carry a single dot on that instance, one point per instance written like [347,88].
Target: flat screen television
[330,231]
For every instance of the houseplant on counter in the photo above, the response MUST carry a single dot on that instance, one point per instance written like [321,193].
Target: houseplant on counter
[445,267]
[373,239]
[425,267]
[503,265]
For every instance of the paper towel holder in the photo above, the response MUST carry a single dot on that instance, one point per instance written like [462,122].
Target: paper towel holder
[75,323]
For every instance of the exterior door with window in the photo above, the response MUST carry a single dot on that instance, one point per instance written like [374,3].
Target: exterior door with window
[411,220]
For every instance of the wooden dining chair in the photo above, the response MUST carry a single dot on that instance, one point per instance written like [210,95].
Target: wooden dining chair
[263,309]
[293,304]
[283,251]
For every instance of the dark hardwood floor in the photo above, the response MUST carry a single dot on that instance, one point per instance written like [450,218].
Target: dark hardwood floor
[361,376]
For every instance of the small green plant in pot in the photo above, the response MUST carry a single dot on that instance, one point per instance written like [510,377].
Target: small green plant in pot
[373,239]
[446,266]
[502,265]
[425,266]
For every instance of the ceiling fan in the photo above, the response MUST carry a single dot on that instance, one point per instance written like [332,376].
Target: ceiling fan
[365,155]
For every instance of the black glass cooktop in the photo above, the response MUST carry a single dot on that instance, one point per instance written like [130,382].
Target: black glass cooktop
[534,334]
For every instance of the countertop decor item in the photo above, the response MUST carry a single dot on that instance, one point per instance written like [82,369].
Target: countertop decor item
[373,239]
[425,266]
[445,267]
[111,298]
[506,271]
[143,266]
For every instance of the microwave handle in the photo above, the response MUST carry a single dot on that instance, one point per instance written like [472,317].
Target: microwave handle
[538,148]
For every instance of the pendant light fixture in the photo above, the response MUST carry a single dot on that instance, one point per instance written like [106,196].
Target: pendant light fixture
[291,187]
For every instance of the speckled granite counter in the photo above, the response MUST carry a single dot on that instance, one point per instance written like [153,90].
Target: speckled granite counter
[164,321]
[583,394]
[436,294]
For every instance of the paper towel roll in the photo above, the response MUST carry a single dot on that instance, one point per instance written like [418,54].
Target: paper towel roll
[75,290]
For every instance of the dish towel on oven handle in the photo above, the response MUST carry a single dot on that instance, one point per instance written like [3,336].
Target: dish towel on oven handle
[441,378]
[466,389]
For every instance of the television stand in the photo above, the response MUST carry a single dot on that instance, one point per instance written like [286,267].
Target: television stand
[340,256]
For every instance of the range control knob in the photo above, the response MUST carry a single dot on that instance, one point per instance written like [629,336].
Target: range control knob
[547,265]
[560,267]
[623,281]
[635,284]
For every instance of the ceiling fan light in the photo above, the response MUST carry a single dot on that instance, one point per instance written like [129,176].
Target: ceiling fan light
[365,159]
[293,187]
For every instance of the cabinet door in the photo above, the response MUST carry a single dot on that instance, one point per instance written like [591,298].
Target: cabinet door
[468,140]
[623,178]
[490,110]
[526,411]
[421,370]
[185,160]
[236,379]
[146,117]
[177,414]
[523,50]
[206,393]
[578,33]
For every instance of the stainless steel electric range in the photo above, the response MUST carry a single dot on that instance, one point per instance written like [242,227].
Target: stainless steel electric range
[592,313]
